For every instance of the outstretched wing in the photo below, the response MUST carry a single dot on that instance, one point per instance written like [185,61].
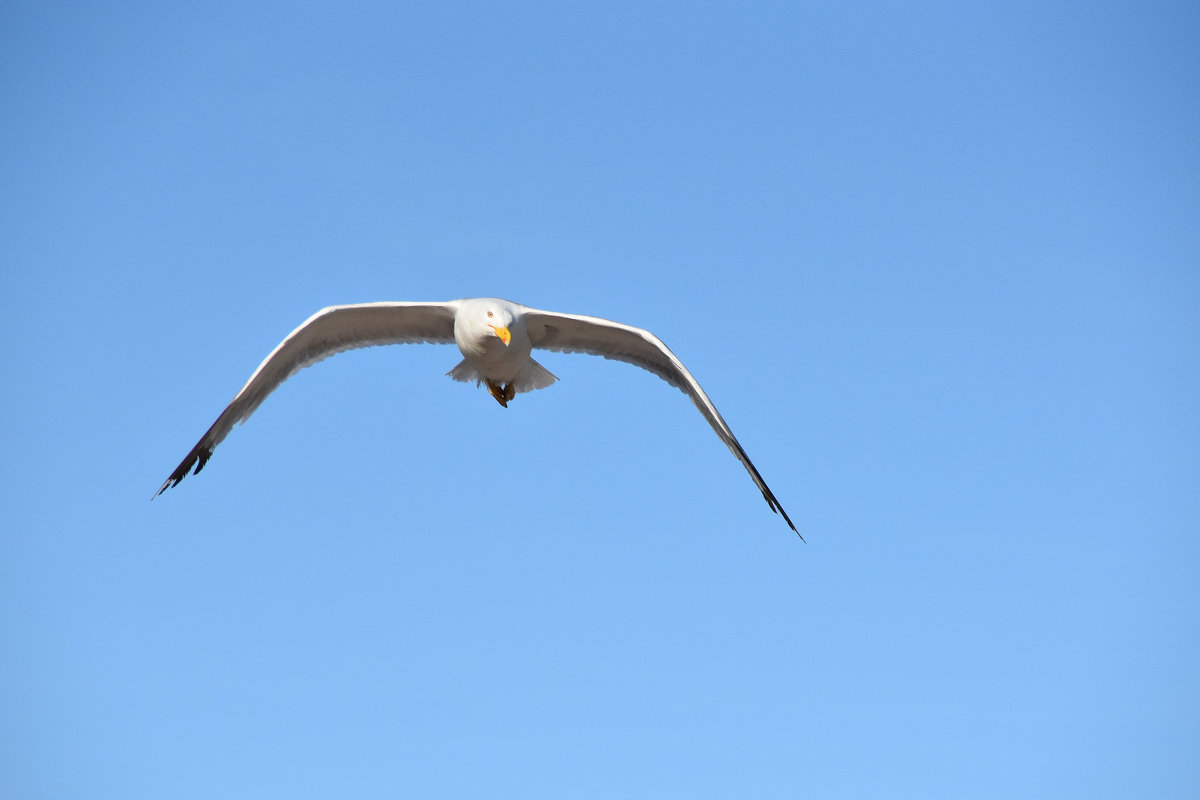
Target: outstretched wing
[572,333]
[331,330]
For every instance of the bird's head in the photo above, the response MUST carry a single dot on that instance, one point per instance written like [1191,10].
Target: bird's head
[480,321]
[497,320]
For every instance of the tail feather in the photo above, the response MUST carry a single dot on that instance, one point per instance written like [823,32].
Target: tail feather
[465,373]
[532,376]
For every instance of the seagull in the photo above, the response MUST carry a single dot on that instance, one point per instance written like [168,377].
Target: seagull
[495,338]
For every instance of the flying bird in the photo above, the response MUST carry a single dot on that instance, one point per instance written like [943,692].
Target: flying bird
[495,338]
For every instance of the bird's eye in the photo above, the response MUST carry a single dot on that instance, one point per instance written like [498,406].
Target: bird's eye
[489,313]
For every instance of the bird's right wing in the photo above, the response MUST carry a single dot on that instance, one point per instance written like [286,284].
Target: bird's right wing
[331,330]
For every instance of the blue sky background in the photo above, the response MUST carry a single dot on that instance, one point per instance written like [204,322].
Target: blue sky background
[938,267]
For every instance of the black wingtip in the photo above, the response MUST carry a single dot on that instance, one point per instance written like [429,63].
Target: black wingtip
[199,457]
[778,509]
[790,525]
[167,484]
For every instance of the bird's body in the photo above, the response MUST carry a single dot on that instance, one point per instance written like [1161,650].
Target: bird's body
[496,338]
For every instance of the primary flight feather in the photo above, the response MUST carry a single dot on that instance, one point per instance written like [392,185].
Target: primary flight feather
[495,338]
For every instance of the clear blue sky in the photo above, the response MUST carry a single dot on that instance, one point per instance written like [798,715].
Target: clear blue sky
[938,268]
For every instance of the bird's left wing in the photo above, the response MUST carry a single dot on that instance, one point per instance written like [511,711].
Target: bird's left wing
[331,330]
[573,333]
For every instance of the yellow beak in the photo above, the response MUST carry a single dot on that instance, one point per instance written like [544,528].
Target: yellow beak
[503,333]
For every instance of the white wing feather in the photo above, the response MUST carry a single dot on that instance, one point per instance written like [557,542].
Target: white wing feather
[330,331]
[574,333]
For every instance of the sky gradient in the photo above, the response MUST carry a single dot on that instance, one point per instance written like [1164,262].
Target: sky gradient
[937,268]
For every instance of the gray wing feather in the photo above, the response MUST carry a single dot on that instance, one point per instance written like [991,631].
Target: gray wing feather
[330,331]
[573,333]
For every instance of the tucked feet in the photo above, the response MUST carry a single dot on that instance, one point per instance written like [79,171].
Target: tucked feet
[502,395]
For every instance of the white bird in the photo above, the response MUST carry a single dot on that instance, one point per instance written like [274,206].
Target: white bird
[495,337]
